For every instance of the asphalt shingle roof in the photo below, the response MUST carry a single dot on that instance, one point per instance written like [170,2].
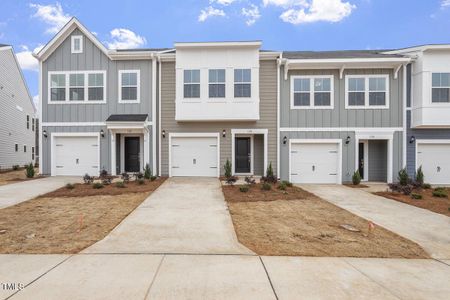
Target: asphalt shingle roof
[337,54]
[127,118]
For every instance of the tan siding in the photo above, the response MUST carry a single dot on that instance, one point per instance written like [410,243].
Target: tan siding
[268,108]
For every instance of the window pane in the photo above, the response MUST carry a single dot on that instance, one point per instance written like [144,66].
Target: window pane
[76,94]
[129,93]
[356,84]
[217,90]
[58,80]
[95,93]
[322,99]
[192,91]
[216,76]
[377,98]
[440,95]
[212,76]
[238,75]
[436,79]
[322,84]
[377,84]
[187,76]
[58,94]
[196,76]
[301,99]
[95,80]
[76,44]
[125,79]
[242,90]
[76,79]
[356,98]
[246,75]
[302,85]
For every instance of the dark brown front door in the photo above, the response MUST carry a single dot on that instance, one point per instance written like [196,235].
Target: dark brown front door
[242,155]
[132,153]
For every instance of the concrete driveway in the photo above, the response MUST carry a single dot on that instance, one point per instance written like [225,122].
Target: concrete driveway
[184,216]
[430,230]
[12,194]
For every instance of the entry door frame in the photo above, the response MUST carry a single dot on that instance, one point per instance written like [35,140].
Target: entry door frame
[252,154]
[122,150]
[366,159]
[252,132]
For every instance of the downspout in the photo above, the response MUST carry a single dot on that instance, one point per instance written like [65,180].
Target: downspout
[279,60]
[153,113]
[159,115]
[40,136]
[404,114]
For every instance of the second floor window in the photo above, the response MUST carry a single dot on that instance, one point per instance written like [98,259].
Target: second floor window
[32,124]
[440,88]
[58,87]
[367,91]
[28,122]
[76,87]
[191,81]
[129,86]
[217,83]
[312,92]
[242,83]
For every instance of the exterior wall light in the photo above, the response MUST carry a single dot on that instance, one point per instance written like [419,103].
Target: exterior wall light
[347,140]
[163,134]
[412,139]
[102,133]
[224,133]
[44,133]
[284,140]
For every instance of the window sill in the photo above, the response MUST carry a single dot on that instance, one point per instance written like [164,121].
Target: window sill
[312,107]
[76,102]
[366,107]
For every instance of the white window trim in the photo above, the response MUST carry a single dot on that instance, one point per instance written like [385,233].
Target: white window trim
[67,86]
[311,91]
[224,83]
[189,99]
[242,82]
[138,92]
[366,97]
[76,37]
[431,90]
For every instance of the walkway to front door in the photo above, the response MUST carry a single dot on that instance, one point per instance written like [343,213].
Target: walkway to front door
[184,215]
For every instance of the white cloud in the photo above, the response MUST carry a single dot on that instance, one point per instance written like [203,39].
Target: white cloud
[318,10]
[52,15]
[252,14]
[210,12]
[285,3]
[222,2]
[445,3]
[26,59]
[122,38]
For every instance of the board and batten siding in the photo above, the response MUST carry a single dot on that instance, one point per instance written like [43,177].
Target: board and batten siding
[340,116]
[268,115]
[15,105]
[93,59]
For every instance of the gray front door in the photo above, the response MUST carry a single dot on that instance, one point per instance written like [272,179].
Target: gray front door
[242,155]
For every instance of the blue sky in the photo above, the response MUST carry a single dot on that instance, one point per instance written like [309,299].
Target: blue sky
[280,24]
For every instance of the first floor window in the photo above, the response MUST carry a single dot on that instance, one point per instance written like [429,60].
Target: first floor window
[28,122]
[32,124]
[25,148]
[58,87]
[242,83]
[76,87]
[367,91]
[217,83]
[129,86]
[191,81]
[16,147]
[32,153]
[310,92]
[440,88]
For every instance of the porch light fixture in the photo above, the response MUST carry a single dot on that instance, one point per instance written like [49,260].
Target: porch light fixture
[412,139]
[164,134]
[102,133]
[224,133]
[44,133]
[347,140]
[284,140]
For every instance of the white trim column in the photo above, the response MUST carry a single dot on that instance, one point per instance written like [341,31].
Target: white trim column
[113,153]
[146,148]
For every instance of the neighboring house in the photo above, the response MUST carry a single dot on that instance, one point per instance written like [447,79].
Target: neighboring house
[428,112]
[17,114]
[98,106]
[341,111]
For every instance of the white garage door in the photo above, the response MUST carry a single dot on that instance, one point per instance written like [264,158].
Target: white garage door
[315,163]
[76,155]
[194,156]
[435,162]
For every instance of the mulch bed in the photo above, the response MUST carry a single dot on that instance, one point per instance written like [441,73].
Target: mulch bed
[232,193]
[434,204]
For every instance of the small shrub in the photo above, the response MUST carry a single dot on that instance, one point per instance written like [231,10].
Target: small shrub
[269,178]
[29,171]
[243,189]
[153,178]
[120,184]
[70,186]
[440,193]
[282,186]
[403,177]
[106,180]
[416,196]
[356,178]
[88,179]
[419,176]
[138,176]
[440,189]
[287,183]
[147,172]
[404,189]
[103,173]
[227,169]
[15,167]
[98,185]
[250,180]
[231,180]
[141,181]
[426,186]
[125,177]
[266,186]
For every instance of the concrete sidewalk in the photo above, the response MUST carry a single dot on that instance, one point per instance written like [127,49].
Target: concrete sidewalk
[183,216]
[147,276]
[430,230]
[12,194]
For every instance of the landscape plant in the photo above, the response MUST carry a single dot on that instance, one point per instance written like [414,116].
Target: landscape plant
[29,171]
[440,192]
[420,176]
[266,186]
[244,189]
[356,178]
[270,177]
[148,172]
[88,179]
[227,169]
[403,177]
[70,186]
[97,185]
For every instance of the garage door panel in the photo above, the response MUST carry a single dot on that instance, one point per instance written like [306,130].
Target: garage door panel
[76,156]
[435,162]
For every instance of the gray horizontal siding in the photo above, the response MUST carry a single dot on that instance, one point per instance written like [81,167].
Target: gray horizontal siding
[340,116]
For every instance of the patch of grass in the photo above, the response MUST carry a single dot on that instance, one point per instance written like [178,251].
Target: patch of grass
[416,196]
[120,184]
[266,186]
[243,189]
[70,186]
[97,186]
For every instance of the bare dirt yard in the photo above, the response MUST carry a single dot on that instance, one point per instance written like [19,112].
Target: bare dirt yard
[428,201]
[69,220]
[8,177]
[294,222]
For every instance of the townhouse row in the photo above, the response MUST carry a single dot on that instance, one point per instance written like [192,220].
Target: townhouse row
[315,117]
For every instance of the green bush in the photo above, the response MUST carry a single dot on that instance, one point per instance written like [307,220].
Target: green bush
[282,186]
[153,178]
[70,186]
[15,167]
[29,171]
[287,183]
[419,176]
[243,189]
[426,186]
[403,177]
[140,181]
[440,193]
[356,178]
[416,196]
[97,186]
[120,184]
[148,172]
[266,186]
[227,168]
